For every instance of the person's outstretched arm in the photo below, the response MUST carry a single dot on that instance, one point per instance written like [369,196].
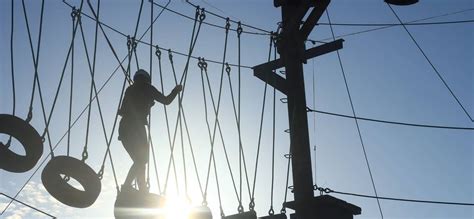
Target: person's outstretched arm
[158,96]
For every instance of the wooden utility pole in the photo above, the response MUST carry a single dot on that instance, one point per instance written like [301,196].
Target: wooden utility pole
[291,47]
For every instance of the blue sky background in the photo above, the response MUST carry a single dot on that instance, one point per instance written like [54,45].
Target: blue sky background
[387,76]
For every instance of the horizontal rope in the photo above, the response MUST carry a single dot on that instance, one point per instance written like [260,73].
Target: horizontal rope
[148,44]
[397,24]
[233,21]
[390,122]
[327,190]
[27,205]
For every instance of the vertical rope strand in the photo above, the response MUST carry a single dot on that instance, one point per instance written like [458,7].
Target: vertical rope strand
[356,121]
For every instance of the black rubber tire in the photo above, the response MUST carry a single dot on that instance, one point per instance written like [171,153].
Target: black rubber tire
[65,193]
[29,139]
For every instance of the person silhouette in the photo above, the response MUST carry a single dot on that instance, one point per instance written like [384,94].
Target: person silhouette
[139,98]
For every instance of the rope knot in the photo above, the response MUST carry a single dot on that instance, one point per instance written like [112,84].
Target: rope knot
[198,12]
[75,13]
[158,51]
[202,15]
[101,172]
[271,211]
[170,55]
[134,44]
[227,24]
[239,29]
[85,154]
[129,42]
[252,204]
[240,209]
[227,68]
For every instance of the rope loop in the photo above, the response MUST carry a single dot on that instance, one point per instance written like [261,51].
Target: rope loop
[129,42]
[204,202]
[239,29]
[85,155]
[158,51]
[271,211]
[200,63]
[74,13]
[198,13]
[170,55]
[134,44]
[227,68]
[283,210]
[275,38]
[221,212]
[328,190]
[227,24]
[30,115]
[204,64]
[252,204]
[240,209]
[288,156]
[101,172]
[202,15]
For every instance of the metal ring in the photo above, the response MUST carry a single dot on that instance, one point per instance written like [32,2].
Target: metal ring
[65,193]
[29,139]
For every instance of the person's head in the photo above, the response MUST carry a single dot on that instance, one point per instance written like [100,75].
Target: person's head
[142,76]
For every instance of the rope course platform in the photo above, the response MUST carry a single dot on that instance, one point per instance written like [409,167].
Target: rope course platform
[225,145]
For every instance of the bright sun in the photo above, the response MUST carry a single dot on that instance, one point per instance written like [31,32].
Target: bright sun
[176,207]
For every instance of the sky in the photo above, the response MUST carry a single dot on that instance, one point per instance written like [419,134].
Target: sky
[387,76]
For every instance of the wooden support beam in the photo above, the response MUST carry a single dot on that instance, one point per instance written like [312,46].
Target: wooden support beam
[273,80]
[265,71]
[313,18]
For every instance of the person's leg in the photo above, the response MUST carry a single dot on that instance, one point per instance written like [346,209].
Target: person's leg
[140,175]
[132,174]
[142,158]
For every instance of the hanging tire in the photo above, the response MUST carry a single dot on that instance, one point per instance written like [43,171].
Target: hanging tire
[29,139]
[65,193]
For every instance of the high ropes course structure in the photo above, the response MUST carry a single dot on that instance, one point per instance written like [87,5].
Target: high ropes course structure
[286,49]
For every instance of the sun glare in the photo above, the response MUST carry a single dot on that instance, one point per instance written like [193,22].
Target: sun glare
[176,207]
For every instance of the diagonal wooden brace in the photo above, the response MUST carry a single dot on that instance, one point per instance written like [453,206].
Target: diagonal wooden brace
[313,18]
[266,71]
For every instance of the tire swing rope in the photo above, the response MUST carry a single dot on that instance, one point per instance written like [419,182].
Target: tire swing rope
[60,169]
[19,128]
